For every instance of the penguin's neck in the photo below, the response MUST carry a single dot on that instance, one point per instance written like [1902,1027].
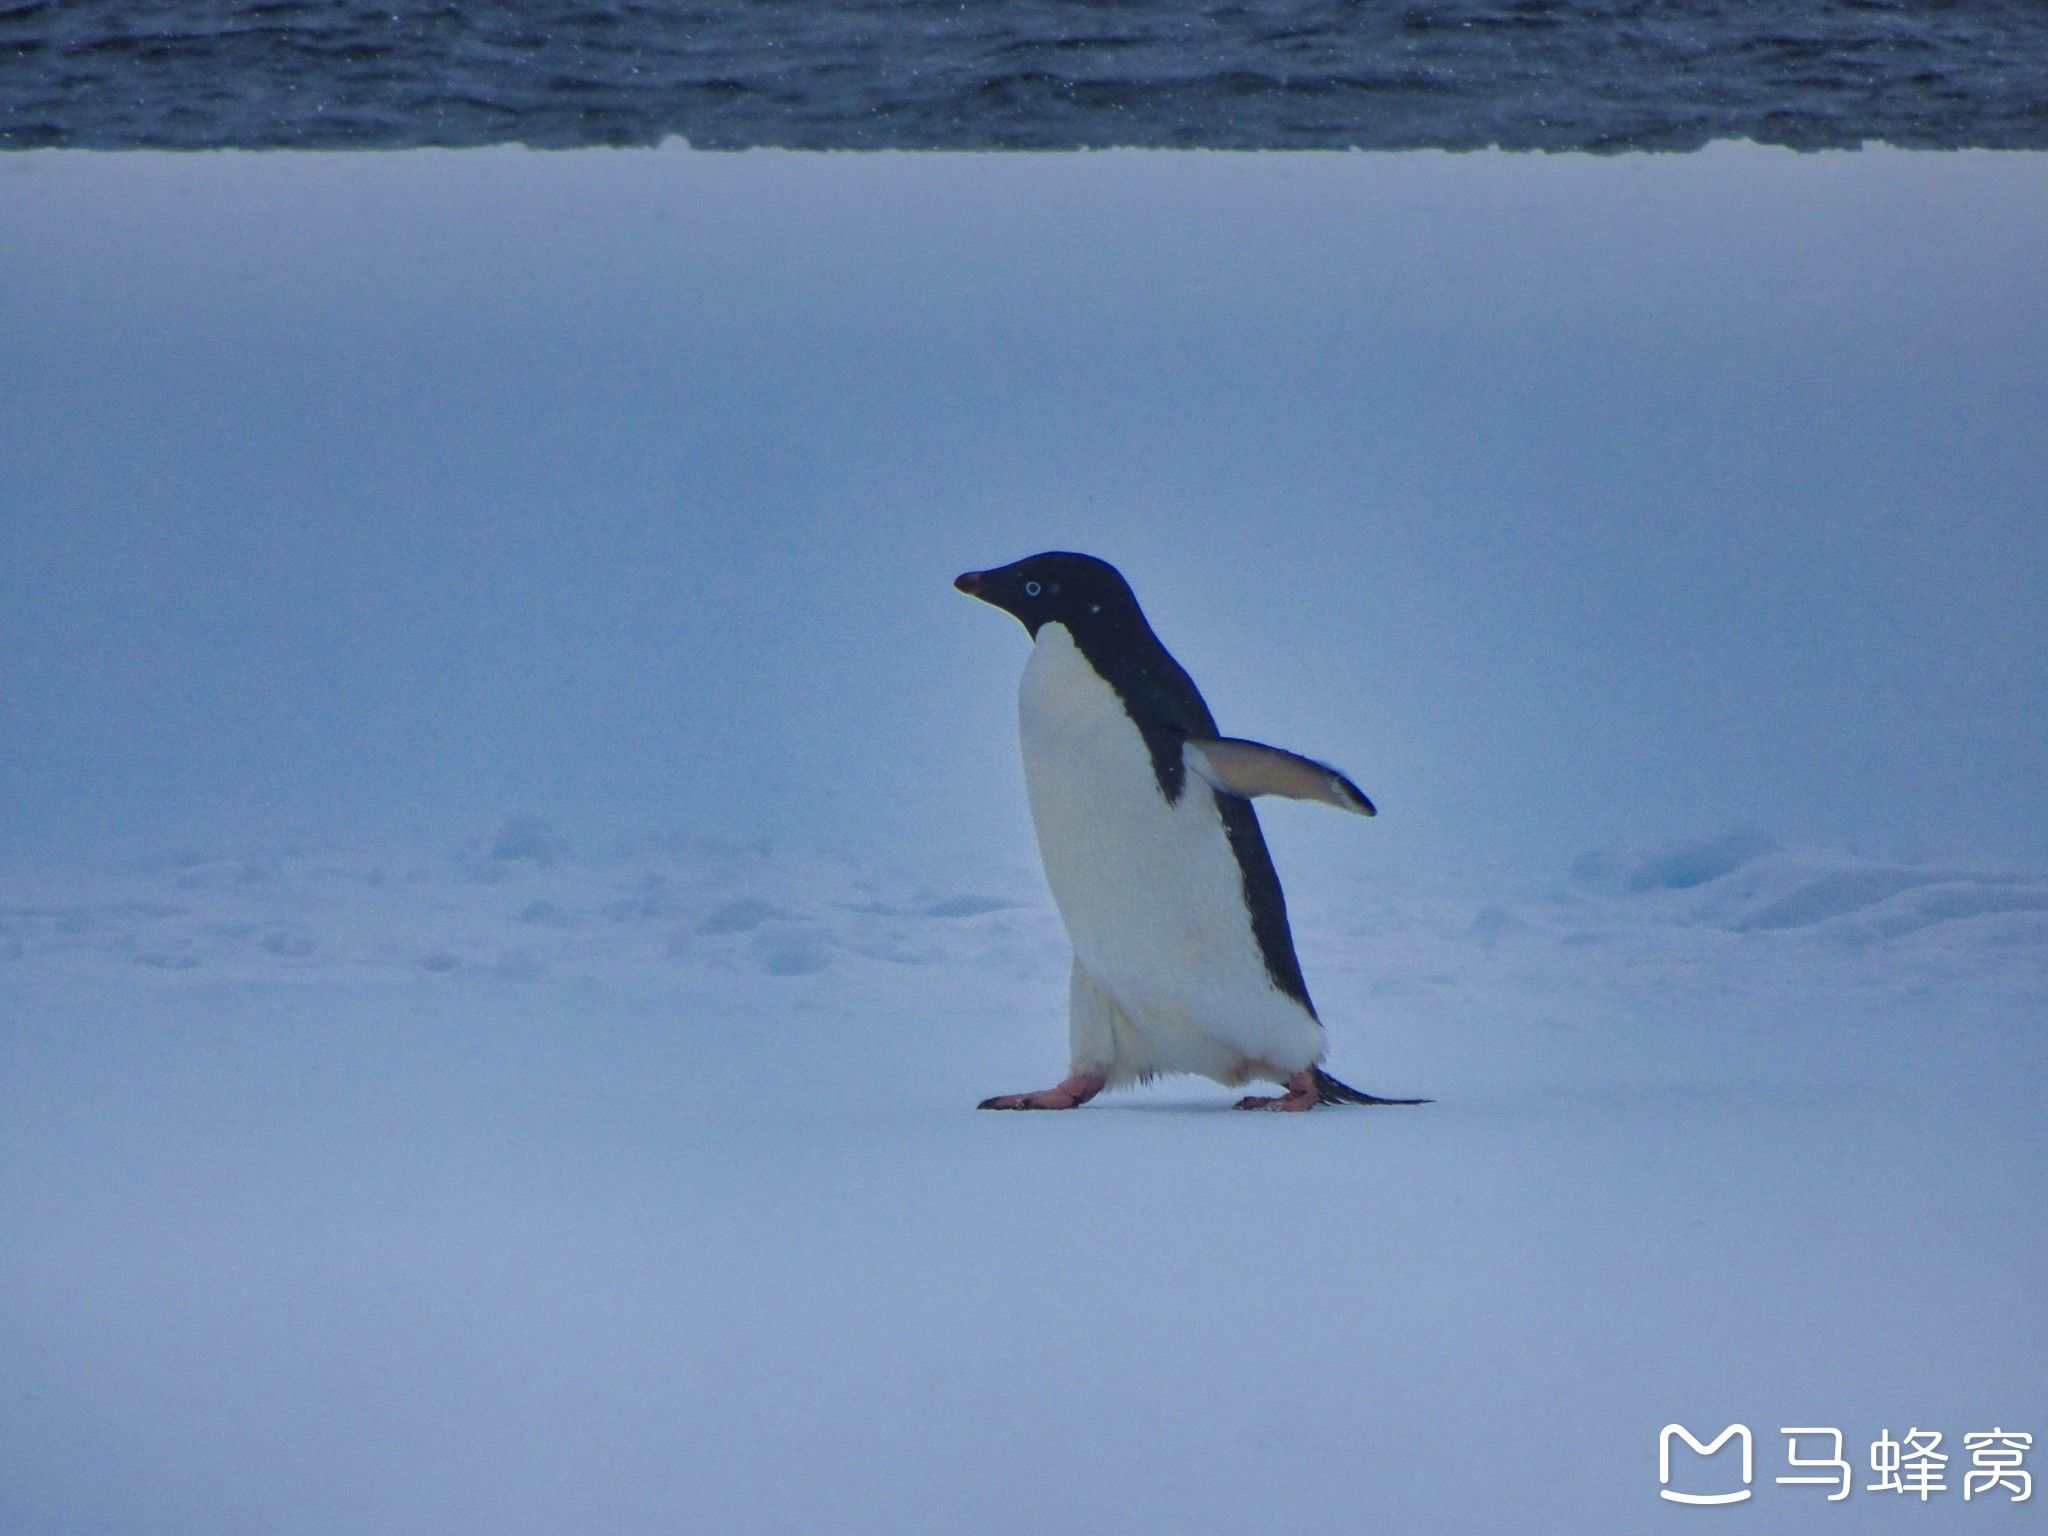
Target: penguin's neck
[1061,687]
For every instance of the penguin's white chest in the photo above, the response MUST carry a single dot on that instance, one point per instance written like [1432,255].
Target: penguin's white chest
[1151,893]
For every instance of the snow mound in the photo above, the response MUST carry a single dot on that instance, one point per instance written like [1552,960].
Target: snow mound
[1892,902]
[1742,881]
[1698,861]
[520,910]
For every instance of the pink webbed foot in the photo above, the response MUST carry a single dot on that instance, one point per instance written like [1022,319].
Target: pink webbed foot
[1301,1094]
[1071,1093]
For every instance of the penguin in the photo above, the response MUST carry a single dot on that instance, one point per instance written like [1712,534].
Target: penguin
[1183,959]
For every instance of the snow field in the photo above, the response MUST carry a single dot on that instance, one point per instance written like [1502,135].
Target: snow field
[520,1191]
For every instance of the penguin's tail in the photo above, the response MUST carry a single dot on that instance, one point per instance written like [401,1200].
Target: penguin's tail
[1330,1091]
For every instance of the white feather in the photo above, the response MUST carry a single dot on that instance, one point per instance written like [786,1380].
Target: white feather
[1151,895]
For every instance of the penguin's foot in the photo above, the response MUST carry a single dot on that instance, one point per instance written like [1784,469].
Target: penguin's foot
[1072,1093]
[1301,1094]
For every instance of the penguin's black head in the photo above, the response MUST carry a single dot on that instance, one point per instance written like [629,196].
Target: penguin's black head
[1079,591]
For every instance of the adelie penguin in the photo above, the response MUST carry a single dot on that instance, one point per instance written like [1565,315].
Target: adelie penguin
[1183,960]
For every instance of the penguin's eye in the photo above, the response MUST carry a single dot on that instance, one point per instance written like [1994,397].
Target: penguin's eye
[1031,589]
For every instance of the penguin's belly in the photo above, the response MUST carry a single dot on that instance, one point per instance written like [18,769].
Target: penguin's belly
[1151,893]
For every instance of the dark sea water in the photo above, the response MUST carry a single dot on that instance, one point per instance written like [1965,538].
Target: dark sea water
[1525,74]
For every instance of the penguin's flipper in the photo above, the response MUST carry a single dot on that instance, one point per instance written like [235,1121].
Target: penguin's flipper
[1250,769]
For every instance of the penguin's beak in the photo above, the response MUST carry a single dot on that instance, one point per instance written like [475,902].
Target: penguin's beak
[973,584]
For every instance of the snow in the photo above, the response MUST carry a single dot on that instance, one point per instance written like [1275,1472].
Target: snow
[1657,539]
[516,1188]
